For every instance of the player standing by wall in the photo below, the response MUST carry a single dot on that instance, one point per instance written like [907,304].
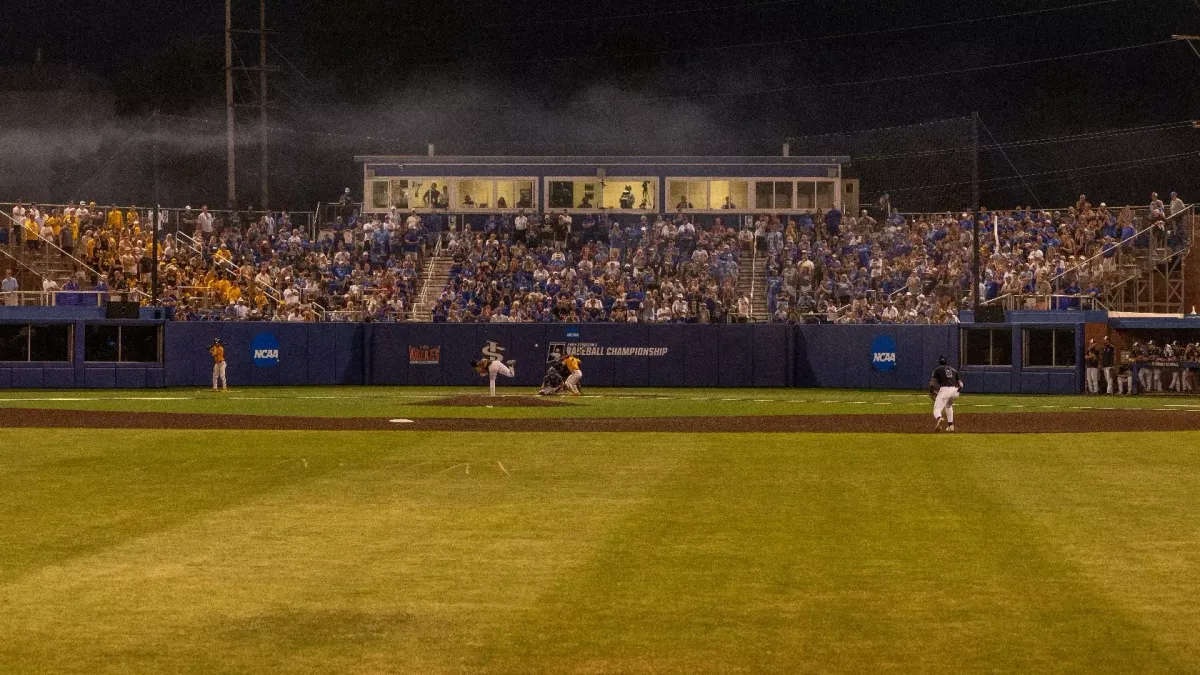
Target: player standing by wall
[1092,361]
[493,369]
[1108,362]
[944,387]
[218,354]
[572,383]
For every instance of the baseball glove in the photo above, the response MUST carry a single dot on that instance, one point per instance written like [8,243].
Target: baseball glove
[933,392]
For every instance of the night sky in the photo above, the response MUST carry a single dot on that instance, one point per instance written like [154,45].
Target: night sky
[684,77]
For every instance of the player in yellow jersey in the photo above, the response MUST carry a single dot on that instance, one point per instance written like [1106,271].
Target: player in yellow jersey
[218,354]
[572,383]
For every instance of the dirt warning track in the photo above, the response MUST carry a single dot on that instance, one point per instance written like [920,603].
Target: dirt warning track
[993,423]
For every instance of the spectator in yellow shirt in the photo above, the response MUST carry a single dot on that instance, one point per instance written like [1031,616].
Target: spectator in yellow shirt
[31,233]
[55,223]
[114,221]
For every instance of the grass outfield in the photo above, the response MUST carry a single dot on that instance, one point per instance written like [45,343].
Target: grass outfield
[349,552]
[597,402]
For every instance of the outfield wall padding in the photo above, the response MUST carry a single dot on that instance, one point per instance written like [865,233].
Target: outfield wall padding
[623,355]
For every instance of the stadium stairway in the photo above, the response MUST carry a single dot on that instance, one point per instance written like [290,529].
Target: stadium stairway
[46,263]
[435,275]
[752,280]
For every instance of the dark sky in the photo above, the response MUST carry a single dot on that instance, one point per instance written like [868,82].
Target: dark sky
[686,77]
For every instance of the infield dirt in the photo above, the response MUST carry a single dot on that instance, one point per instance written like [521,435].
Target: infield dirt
[997,422]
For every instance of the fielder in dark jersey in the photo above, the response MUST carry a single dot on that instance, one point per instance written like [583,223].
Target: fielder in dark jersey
[944,387]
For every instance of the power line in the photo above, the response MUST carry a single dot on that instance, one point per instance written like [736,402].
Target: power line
[777,43]
[1123,164]
[638,15]
[1036,199]
[1066,138]
[1154,161]
[894,78]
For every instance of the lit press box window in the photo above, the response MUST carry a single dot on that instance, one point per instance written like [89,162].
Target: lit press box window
[630,193]
[573,194]
[689,194]
[429,193]
[402,194]
[473,194]
[515,194]
[729,194]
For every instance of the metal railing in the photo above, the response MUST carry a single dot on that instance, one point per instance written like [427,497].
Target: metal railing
[1012,301]
[1046,301]
[50,246]
[61,298]
[437,251]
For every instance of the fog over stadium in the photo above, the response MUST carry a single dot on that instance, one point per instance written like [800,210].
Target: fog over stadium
[530,78]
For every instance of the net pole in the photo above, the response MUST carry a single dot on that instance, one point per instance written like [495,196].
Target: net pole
[975,211]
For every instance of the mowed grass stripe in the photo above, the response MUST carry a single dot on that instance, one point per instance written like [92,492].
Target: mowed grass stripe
[610,553]
[391,560]
[815,559]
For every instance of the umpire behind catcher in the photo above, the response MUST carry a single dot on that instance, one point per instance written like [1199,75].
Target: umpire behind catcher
[944,387]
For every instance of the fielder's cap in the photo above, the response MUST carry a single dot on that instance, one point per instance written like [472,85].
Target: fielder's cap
[941,360]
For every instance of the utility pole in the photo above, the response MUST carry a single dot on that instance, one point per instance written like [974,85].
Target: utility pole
[262,99]
[230,167]
[975,211]
[156,218]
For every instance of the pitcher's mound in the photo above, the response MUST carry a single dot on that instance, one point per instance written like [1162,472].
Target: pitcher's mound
[470,401]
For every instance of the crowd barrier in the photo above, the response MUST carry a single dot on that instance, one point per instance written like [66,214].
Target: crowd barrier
[623,355]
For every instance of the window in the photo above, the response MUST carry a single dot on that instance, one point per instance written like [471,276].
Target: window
[379,198]
[140,344]
[629,193]
[112,343]
[429,193]
[764,195]
[774,195]
[473,194]
[1050,347]
[729,194]
[14,342]
[514,194]
[687,194]
[101,343]
[400,193]
[783,194]
[573,194]
[806,199]
[826,195]
[50,342]
[985,347]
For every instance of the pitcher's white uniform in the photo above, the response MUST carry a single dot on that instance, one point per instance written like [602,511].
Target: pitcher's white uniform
[494,369]
[948,385]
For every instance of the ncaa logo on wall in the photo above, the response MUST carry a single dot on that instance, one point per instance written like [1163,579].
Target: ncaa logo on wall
[883,353]
[264,349]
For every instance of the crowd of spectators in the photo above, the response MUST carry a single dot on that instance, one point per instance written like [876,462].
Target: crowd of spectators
[598,270]
[1075,253]
[235,265]
[820,267]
